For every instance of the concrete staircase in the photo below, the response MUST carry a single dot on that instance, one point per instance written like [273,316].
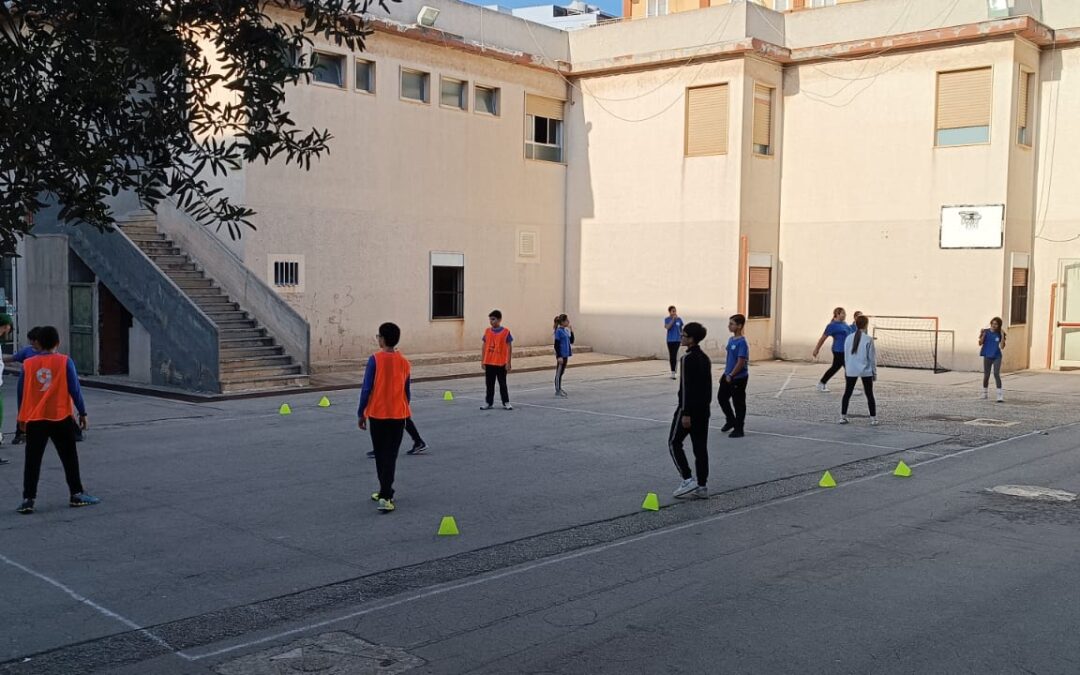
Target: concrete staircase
[249,358]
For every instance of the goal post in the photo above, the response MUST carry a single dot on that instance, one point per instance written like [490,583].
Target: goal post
[911,342]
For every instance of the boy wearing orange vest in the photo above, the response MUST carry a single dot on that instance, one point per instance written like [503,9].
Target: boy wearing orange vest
[50,386]
[384,407]
[497,360]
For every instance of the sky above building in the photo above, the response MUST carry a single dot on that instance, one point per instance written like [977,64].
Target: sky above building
[613,7]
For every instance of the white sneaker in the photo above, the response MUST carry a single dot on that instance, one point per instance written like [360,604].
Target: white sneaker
[873,421]
[674,376]
[701,493]
[486,406]
[685,488]
[1000,397]
[984,395]
[561,394]
[843,420]
[823,387]
[507,406]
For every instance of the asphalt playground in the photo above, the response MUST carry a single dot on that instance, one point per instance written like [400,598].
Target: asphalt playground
[235,540]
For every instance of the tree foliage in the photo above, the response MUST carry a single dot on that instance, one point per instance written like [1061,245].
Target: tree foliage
[101,96]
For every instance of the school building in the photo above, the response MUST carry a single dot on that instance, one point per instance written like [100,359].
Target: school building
[907,158]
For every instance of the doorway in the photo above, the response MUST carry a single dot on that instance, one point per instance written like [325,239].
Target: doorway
[114,326]
[1067,324]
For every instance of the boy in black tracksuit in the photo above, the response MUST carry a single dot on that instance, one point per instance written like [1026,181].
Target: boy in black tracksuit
[692,415]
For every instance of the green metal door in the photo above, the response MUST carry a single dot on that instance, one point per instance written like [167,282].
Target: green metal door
[82,347]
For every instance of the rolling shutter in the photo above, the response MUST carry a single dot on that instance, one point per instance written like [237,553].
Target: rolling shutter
[541,106]
[964,99]
[1022,100]
[762,115]
[1019,276]
[707,120]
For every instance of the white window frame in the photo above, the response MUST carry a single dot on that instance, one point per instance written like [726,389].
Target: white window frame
[373,76]
[656,7]
[496,93]
[427,85]
[444,259]
[274,258]
[344,84]
[463,105]
[530,131]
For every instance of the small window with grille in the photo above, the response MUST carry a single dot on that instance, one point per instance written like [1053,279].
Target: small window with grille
[287,273]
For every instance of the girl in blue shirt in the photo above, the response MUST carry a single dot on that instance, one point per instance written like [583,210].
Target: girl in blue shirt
[838,331]
[991,342]
[564,337]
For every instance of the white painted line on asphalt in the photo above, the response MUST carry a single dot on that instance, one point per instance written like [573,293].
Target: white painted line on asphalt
[515,571]
[786,383]
[105,611]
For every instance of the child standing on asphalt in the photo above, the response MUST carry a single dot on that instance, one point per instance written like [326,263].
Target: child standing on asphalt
[564,338]
[497,360]
[860,363]
[384,407]
[50,386]
[736,376]
[838,330]
[991,342]
[692,415]
[673,324]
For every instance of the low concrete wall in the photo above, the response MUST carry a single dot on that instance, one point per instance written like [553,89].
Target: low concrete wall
[184,341]
[285,324]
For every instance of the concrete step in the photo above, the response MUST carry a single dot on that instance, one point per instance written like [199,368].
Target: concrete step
[170,259]
[178,267]
[185,274]
[199,282]
[251,333]
[236,324]
[266,383]
[159,248]
[229,365]
[239,349]
[247,374]
[224,312]
[203,292]
[140,227]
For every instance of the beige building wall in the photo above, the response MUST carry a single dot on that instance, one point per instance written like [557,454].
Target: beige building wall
[404,180]
[862,191]
[647,226]
[1057,222]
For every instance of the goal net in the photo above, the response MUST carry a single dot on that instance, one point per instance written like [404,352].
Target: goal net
[911,342]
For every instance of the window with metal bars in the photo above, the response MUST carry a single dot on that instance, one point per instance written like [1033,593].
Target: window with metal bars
[1019,297]
[286,274]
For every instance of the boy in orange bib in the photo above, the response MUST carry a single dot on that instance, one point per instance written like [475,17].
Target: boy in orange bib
[384,407]
[497,360]
[50,386]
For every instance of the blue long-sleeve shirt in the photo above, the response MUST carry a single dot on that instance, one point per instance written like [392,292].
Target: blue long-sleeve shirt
[74,388]
[369,384]
[563,340]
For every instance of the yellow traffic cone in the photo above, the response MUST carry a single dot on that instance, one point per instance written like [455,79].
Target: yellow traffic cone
[902,470]
[284,409]
[651,503]
[324,402]
[448,396]
[448,528]
[827,481]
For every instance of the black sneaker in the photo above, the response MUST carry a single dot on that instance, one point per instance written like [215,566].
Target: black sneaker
[738,433]
[727,427]
[417,448]
[26,507]
[19,438]
[371,454]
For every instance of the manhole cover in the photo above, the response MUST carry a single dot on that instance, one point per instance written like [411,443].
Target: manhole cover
[327,654]
[986,422]
[1034,492]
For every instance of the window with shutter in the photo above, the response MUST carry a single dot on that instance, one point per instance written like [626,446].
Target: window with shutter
[707,120]
[543,128]
[1024,112]
[964,107]
[1019,297]
[763,115]
[760,293]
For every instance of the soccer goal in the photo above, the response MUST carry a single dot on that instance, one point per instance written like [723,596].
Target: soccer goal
[912,342]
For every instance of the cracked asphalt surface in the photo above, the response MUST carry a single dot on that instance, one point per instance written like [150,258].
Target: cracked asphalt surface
[234,540]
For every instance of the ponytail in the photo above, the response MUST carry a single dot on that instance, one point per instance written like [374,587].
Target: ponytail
[861,322]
